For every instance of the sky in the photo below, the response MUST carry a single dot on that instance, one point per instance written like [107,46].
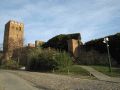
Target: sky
[44,19]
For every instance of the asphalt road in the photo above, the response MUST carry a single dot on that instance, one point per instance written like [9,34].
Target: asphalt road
[9,81]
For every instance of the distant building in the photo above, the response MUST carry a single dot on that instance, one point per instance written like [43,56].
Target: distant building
[38,43]
[30,45]
[13,37]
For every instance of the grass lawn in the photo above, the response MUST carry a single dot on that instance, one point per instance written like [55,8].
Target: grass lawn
[74,70]
[104,69]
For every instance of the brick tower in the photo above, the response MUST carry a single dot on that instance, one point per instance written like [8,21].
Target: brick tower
[38,43]
[13,37]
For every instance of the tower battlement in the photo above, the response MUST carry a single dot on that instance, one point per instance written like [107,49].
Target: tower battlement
[15,22]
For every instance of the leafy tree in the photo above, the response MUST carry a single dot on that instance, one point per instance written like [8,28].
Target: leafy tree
[10,64]
[45,60]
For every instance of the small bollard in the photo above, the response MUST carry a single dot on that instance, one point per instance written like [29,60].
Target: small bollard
[83,88]
[3,88]
[90,74]
[53,70]
[68,71]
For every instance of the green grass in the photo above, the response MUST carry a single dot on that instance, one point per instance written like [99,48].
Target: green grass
[104,69]
[73,70]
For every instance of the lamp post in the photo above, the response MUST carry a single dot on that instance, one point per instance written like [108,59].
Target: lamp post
[106,40]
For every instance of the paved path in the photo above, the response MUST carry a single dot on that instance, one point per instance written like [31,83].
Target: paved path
[10,81]
[100,75]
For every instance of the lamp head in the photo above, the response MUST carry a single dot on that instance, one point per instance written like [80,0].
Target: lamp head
[107,39]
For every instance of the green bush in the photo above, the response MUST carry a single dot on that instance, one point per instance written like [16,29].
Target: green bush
[63,59]
[10,64]
[45,60]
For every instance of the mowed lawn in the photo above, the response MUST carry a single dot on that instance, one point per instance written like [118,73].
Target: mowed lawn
[104,69]
[74,70]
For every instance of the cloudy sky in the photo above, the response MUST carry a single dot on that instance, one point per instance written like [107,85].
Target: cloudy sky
[44,19]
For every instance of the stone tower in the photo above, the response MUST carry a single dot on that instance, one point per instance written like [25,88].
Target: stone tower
[13,37]
[38,43]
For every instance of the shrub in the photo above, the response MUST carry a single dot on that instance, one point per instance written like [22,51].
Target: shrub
[45,60]
[63,59]
[10,64]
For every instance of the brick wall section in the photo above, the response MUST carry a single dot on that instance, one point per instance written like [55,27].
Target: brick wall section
[73,46]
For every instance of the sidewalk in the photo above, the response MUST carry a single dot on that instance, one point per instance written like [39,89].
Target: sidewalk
[100,75]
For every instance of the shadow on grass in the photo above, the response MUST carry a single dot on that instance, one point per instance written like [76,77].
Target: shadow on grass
[105,70]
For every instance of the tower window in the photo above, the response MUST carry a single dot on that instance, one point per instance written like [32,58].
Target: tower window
[12,27]
[16,28]
[20,28]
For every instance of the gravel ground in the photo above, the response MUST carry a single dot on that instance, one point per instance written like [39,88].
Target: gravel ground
[60,82]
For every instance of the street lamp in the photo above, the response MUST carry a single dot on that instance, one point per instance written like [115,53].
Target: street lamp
[106,39]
